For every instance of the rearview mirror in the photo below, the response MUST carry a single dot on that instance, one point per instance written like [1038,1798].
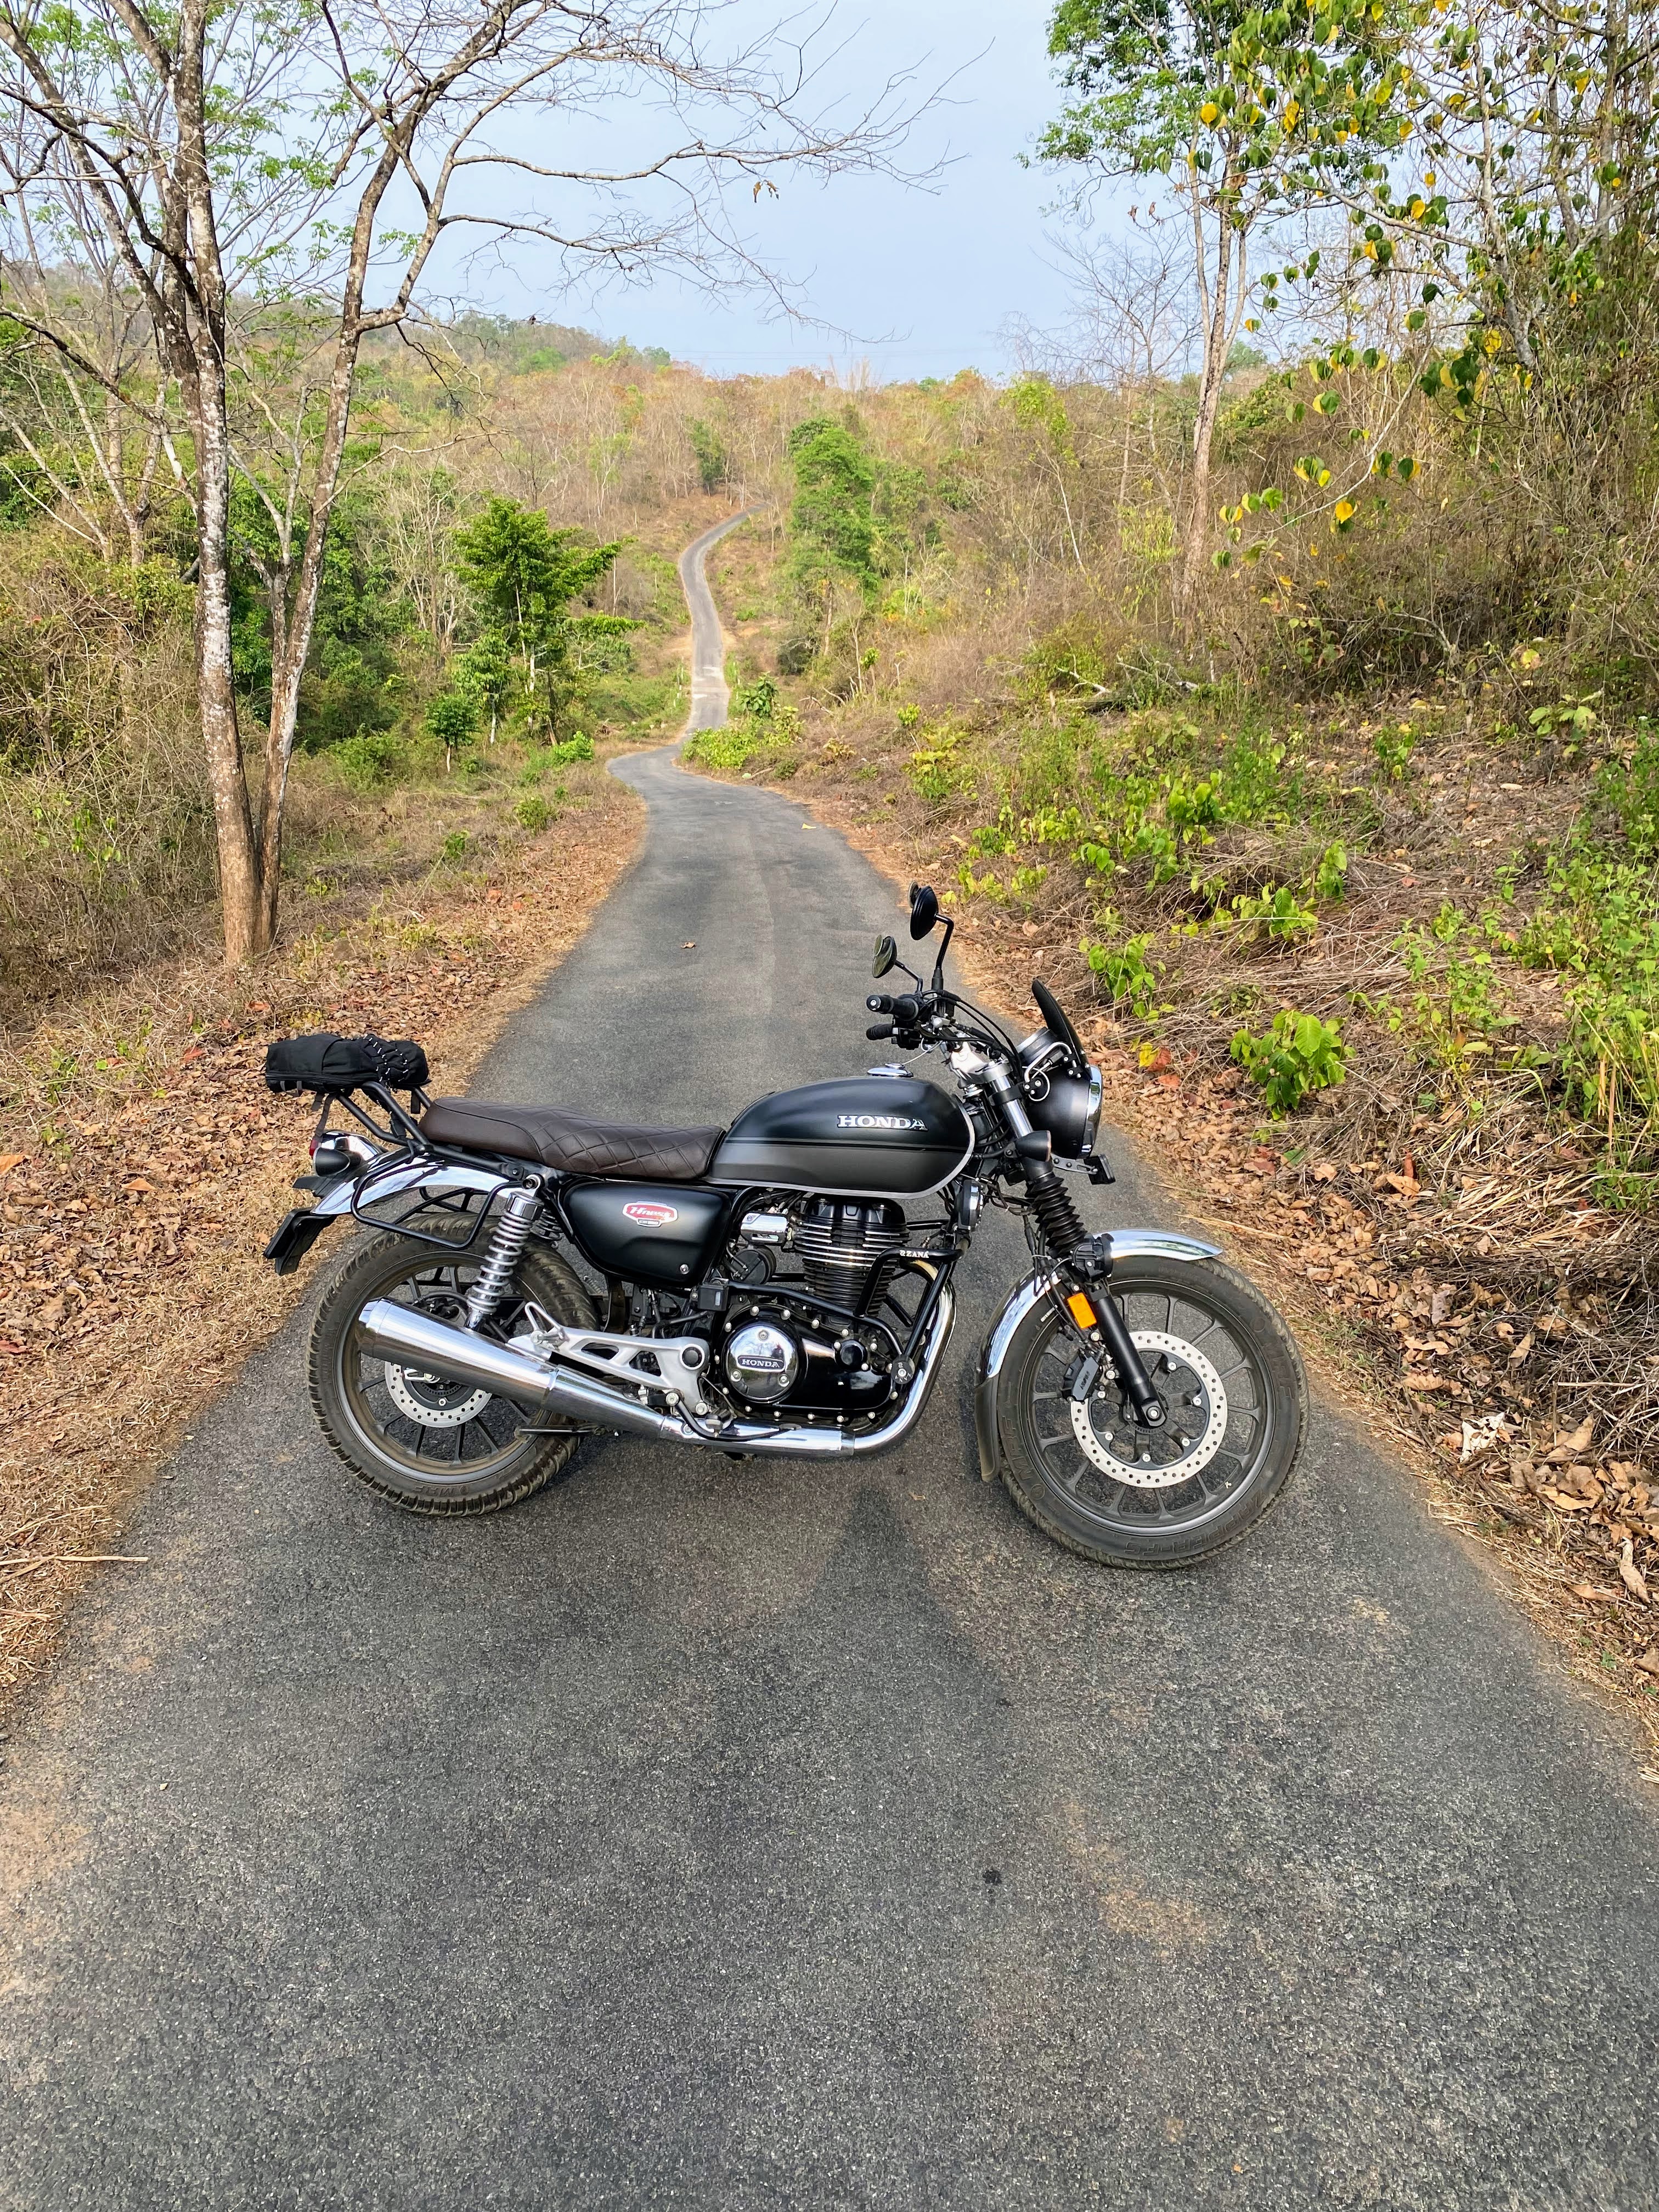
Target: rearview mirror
[924,909]
[886,954]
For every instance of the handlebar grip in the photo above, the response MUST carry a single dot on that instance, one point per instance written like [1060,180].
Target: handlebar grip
[877,1031]
[879,1002]
[906,1011]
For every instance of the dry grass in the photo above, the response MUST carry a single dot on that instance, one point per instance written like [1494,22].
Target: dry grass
[146,1165]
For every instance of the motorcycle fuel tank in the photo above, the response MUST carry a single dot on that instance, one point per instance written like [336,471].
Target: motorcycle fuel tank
[865,1134]
[651,1232]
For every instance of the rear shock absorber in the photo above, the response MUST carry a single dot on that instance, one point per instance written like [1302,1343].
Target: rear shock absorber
[501,1254]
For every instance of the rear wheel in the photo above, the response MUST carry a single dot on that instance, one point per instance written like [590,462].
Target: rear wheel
[428,1445]
[1230,1379]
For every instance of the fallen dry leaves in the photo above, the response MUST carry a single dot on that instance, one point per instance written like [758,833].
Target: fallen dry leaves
[136,1203]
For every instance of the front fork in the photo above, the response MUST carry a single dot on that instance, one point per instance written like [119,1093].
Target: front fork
[1094,1307]
[1082,1286]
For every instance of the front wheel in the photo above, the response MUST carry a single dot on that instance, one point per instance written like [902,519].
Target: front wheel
[1230,1378]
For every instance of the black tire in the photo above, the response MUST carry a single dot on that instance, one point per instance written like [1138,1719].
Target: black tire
[1253,1407]
[491,1462]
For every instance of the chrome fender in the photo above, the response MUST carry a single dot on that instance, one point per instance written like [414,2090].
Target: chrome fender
[1127,1244]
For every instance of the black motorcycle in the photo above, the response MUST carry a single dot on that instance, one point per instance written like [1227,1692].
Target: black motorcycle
[782,1287]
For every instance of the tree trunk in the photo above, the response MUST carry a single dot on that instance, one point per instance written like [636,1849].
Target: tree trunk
[239,869]
[1227,306]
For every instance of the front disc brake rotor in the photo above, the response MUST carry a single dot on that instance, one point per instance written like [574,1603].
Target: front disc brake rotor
[1194,1400]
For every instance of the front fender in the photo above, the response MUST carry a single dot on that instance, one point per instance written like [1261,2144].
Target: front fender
[1127,1244]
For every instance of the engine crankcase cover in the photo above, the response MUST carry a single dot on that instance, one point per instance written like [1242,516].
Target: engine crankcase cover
[762,1359]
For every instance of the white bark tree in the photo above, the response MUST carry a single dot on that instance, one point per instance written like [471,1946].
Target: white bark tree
[228,158]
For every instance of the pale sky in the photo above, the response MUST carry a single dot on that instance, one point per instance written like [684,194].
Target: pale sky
[924,278]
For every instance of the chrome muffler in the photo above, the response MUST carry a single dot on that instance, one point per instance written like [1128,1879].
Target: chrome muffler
[388,1331]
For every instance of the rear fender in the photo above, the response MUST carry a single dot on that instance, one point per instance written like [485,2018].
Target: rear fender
[1127,1244]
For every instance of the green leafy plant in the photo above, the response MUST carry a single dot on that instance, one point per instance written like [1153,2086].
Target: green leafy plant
[454,846]
[1394,749]
[452,718]
[370,759]
[1275,913]
[1128,977]
[1298,1055]
[535,813]
[1330,877]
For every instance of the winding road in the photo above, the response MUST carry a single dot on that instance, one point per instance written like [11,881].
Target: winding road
[717,1835]
[709,694]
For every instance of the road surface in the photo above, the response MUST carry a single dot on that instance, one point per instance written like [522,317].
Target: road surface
[724,1836]
[709,694]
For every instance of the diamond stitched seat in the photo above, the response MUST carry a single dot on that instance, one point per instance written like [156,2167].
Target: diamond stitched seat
[570,1142]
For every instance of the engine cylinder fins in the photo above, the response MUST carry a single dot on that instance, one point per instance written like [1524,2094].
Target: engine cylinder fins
[847,1246]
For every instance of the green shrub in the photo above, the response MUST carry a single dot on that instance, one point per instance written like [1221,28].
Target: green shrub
[576,747]
[370,759]
[534,813]
[1330,877]
[1127,976]
[1393,749]
[454,846]
[1275,913]
[1299,1055]
[1630,789]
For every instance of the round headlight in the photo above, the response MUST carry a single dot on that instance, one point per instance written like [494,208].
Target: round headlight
[1068,1107]
[1092,1120]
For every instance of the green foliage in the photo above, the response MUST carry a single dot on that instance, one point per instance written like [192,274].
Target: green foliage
[941,768]
[1298,1055]
[370,759]
[1630,789]
[831,521]
[526,577]
[760,736]
[1128,977]
[452,718]
[454,847]
[1275,913]
[1330,877]
[713,462]
[534,813]
[1394,749]
[1456,1007]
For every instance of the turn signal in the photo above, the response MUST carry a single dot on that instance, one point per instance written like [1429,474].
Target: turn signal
[1080,1309]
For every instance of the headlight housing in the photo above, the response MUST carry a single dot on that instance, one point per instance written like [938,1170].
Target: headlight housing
[1068,1107]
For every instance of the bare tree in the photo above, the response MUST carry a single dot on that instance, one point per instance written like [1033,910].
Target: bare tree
[233,161]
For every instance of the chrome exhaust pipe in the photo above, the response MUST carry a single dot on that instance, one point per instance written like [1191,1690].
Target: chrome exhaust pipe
[388,1331]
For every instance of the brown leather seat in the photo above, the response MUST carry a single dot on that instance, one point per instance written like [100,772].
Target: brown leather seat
[569,1141]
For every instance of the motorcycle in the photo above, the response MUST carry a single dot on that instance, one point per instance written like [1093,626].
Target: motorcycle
[783,1286]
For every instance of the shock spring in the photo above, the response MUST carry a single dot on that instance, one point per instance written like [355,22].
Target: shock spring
[501,1256]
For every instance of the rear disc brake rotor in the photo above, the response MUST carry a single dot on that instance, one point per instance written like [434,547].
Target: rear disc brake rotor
[432,1401]
[1194,1400]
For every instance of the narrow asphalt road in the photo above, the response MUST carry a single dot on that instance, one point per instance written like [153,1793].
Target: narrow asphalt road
[725,1835]
[710,694]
